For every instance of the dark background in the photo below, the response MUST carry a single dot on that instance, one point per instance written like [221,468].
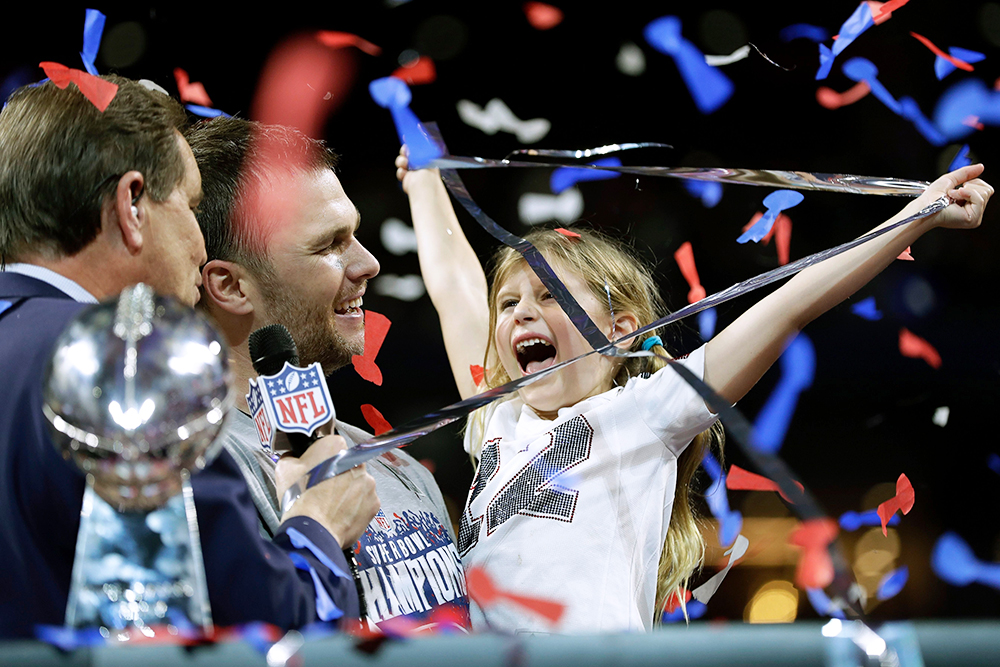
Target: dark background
[867,417]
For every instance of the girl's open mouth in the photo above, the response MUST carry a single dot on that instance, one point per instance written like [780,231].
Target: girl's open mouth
[534,354]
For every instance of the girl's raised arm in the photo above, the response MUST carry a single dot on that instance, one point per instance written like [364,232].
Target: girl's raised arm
[739,355]
[451,271]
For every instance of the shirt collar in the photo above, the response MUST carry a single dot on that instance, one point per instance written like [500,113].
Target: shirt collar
[69,287]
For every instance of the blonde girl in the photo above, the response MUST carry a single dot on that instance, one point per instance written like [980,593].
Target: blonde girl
[581,492]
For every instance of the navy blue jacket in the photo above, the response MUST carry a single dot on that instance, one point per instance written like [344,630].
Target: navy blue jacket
[249,578]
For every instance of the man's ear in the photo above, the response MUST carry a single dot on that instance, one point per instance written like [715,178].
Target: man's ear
[224,285]
[625,323]
[125,214]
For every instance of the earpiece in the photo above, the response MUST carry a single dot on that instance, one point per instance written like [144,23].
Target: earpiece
[135,211]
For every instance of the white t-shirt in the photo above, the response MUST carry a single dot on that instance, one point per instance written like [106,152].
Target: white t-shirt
[576,509]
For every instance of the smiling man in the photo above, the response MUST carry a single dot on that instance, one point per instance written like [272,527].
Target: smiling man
[280,235]
[91,202]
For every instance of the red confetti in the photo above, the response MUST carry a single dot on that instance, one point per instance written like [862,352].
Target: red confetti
[915,347]
[902,501]
[739,479]
[94,88]
[477,373]
[831,99]
[191,92]
[302,83]
[485,593]
[815,569]
[960,64]
[781,230]
[685,260]
[882,11]
[782,237]
[376,327]
[906,255]
[542,16]
[375,419]
[973,122]
[674,601]
[420,71]
[996,84]
[566,232]
[337,40]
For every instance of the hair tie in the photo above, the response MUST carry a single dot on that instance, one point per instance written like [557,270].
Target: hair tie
[650,342]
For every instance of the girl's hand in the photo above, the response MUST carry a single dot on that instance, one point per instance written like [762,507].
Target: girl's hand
[413,179]
[970,195]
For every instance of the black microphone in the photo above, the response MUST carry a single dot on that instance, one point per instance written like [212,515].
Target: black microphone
[270,347]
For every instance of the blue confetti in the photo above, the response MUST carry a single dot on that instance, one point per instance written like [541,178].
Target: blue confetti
[695,609]
[709,87]
[943,68]
[205,112]
[564,178]
[93,28]
[823,604]
[953,560]
[892,583]
[851,521]
[69,639]
[969,97]
[798,366]
[961,159]
[862,69]
[911,112]
[393,94]
[858,22]
[706,323]
[994,463]
[813,33]
[709,192]
[730,521]
[867,309]
[776,202]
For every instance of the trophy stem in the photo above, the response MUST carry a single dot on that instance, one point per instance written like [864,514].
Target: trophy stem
[139,570]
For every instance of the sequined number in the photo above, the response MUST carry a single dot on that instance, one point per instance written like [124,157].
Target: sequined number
[539,488]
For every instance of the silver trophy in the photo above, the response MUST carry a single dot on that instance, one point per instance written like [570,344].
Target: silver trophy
[136,393]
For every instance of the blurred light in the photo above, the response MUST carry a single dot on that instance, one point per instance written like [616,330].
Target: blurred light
[918,295]
[82,356]
[123,44]
[879,493]
[405,288]
[534,208]
[874,540]
[833,628]
[397,237]
[721,31]
[941,416]
[441,37]
[630,60]
[192,359]
[774,602]
[214,347]
[408,58]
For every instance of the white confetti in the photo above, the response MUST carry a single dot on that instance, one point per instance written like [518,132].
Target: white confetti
[405,288]
[497,116]
[398,237]
[941,416]
[738,54]
[630,60]
[534,208]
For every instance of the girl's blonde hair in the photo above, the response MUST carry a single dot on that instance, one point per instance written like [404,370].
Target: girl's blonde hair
[607,265]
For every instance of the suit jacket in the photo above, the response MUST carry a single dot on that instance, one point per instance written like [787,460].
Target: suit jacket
[249,578]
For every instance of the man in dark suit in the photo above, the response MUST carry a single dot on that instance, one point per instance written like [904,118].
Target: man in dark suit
[92,202]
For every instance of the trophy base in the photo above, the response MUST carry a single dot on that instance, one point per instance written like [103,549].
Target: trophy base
[139,570]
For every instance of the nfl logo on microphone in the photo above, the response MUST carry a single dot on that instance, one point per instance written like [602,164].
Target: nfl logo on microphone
[261,420]
[297,398]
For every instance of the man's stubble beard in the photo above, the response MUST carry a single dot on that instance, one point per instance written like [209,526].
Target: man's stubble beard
[313,332]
